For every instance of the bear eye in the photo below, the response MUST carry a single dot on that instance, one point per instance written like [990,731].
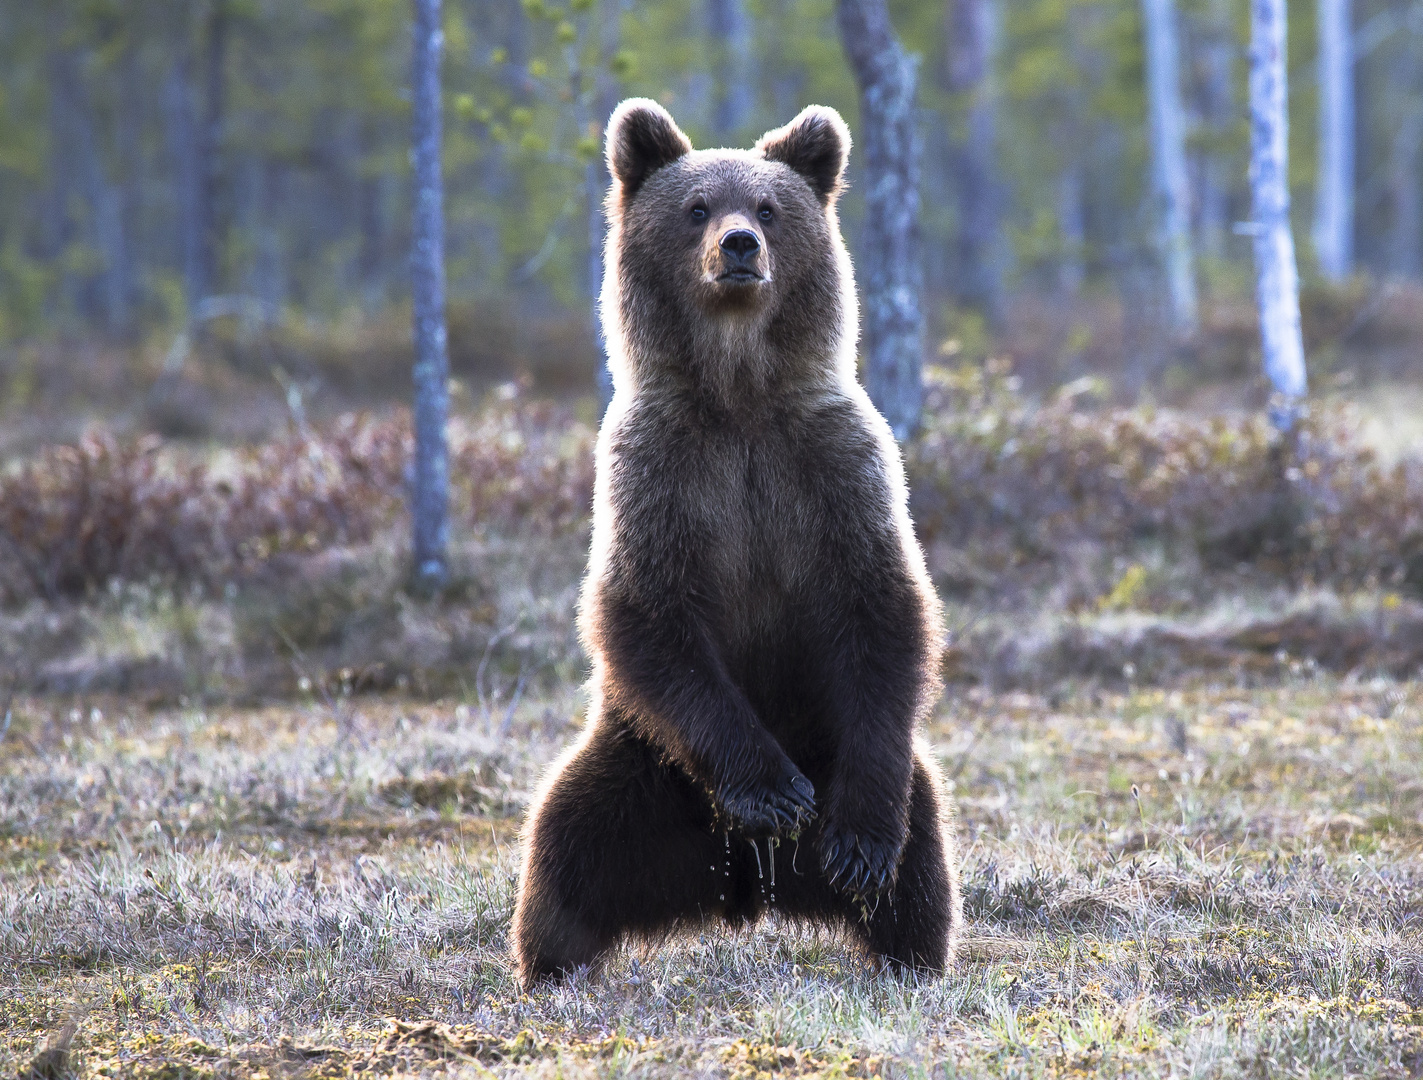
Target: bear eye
[765,213]
[699,213]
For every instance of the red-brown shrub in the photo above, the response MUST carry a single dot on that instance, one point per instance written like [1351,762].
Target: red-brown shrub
[994,470]
[1016,481]
[75,518]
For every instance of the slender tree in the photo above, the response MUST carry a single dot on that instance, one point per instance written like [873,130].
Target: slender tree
[1334,201]
[1168,158]
[733,67]
[889,249]
[1277,277]
[1216,52]
[430,494]
[595,180]
[1404,181]
[972,30]
[209,150]
[185,171]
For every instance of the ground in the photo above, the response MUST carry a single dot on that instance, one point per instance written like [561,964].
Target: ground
[1210,881]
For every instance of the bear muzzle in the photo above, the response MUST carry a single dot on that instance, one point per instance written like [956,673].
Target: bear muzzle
[739,258]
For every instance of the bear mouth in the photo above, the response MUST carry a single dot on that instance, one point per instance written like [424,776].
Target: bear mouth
[740,277]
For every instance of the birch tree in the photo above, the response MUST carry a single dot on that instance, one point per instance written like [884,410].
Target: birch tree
[1168,158]
[1276,275]
[890,274]
[968,74]
[595,180]
[430,488]
[1334,200]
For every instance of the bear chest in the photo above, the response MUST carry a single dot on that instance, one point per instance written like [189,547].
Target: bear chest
[756,524]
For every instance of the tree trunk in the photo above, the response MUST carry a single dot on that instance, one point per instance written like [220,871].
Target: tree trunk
[1404,173]
[1406,183]
[430,487]
[1072,231]
[1334,199]
[732,61]
[889,255]
[968,74]
[130,158]
[186,169]
[1168,158]
[59,231]
[1217,52]
[209,149]
[596,179]
[1277,278]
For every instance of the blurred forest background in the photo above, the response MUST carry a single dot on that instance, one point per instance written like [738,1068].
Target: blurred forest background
[157,154]
[205,343]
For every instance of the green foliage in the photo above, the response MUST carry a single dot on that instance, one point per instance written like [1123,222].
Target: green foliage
[311,157]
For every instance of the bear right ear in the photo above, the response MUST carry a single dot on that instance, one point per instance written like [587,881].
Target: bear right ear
[815,144]
[642,137]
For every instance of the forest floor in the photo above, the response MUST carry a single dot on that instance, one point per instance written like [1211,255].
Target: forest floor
[1206,881]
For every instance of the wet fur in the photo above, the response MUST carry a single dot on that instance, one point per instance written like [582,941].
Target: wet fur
[764,636]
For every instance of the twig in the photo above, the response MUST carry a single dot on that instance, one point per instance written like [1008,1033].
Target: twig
[513,704]
[297,661]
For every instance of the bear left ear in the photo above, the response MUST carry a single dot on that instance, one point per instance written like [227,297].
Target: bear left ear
[642,137]
[815,144]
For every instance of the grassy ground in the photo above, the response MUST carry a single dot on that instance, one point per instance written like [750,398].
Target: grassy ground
[325,888]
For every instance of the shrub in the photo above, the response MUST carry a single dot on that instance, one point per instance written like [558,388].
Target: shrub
[1013,480]
[75,518]
[997,472]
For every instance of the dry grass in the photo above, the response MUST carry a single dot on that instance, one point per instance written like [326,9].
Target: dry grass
[159,568]
[323,889]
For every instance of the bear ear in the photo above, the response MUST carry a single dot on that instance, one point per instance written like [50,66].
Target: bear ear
[815,144]
[642,137]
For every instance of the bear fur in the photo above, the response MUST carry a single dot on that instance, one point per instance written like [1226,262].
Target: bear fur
[764,636]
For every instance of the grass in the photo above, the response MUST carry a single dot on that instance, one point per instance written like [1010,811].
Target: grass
[1198,882]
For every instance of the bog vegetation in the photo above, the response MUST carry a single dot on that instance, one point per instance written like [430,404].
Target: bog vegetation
[1206,882]
[259,801]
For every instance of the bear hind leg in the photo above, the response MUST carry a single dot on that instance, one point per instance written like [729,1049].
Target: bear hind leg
[619,843]
[917,926]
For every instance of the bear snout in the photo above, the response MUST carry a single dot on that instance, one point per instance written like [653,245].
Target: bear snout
[738,254]
[739,244]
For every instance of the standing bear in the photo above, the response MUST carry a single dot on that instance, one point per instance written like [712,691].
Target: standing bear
[763,633]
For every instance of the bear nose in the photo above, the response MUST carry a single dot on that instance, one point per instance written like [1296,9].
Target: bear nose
[741,243]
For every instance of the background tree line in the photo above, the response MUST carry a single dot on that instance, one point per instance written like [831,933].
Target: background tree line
[155,153]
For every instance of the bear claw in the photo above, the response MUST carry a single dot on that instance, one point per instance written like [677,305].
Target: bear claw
[782,810]
[858,866]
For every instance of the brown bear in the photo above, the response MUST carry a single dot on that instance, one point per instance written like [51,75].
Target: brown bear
[763,633]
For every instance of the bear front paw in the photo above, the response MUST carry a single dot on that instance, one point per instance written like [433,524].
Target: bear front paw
[777,809]
[859,865]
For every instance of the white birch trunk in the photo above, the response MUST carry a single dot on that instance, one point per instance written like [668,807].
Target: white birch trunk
[1277,277]
[1334,198]
[1168,158]
[430,487]
[595,179]
[889,252]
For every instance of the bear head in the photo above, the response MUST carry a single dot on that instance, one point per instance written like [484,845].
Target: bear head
[726,265]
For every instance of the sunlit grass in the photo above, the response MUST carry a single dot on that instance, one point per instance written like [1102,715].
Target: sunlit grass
[1199,882]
